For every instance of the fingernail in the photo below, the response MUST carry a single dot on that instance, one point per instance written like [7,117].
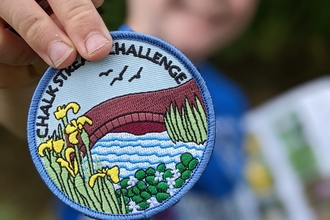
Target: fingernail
[58,52]
[95,42]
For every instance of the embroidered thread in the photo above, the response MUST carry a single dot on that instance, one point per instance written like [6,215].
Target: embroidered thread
[122,138]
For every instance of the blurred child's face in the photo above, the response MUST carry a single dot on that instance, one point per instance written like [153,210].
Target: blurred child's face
[196,27]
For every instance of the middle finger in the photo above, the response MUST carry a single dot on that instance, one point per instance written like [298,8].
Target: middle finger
[84,26]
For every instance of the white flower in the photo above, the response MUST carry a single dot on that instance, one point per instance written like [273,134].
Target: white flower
[176,173]
[171,191]
[152,202]
[133,206]
[159,176]
[132,181]
[170,182]
[117,186]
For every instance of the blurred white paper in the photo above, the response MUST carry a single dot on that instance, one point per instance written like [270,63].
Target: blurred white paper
[293,136]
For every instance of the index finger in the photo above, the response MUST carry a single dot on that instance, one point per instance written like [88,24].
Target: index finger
[84,26]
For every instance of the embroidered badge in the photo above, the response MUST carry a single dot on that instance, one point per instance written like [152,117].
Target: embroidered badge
[125,137]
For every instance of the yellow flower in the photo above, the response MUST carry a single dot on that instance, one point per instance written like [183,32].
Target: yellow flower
[258,176]
[62,110]
[57,146]
[93,178]
[76,127]
[66,163]
[113,173]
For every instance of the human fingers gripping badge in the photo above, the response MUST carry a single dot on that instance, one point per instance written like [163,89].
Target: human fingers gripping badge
[125,137]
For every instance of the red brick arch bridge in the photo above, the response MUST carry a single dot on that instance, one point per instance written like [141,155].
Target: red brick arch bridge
[139,113]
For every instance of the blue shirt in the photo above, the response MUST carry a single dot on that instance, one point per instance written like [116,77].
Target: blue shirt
[230,104]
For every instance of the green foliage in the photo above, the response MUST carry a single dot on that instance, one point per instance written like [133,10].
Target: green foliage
[124,183]
[140,174]
[186,158]
[141,185]
[88,187]
[168,174]
[280,25]
[137,199]
[130,192]
[95,189]
[161,167]
[113,13]
[150,171]
[180,167]
[162,186]
[192,164]
[144,205]
[152,190]
[179,183]
[162,197]
[151,180]
[186,174]
[145,195]
[189,125]
[154,183]
[100,197]
[136,190]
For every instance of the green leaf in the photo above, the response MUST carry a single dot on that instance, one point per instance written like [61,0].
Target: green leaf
[106,199]
[161,167]
[130,192]
[140,174]
[137,198]
[136,190]
[81,186]
[186,158]
[126,200]
[85,139]
[162,197]
[162,187]
[179,183]
[185,124]
[145,195]
[151,180]
[172,117]
[124,182]
[110,193]
[186,116]
[152,190]
[141,185]
[201,113]
[168,174]
[179,125]
[123,206]
[192,164]
[144,205]
[201,129]
[169,128]
[193,123]
[180,167]
[186,174]
[150,171]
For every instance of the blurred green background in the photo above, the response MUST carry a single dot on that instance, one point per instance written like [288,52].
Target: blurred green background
[287,44]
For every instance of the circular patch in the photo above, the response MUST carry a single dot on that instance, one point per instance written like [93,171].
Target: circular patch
[125,137]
